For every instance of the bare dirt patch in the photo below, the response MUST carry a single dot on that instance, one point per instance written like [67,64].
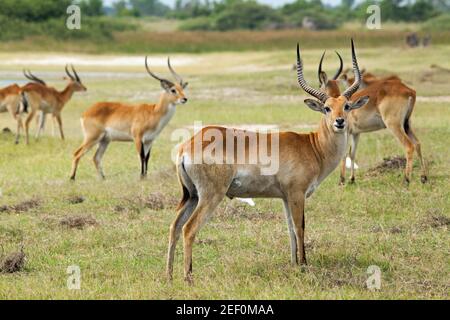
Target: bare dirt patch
[23,206]
[76,199]
[158,201]
[388,164]
[435,220]
[14,262]
[78,222]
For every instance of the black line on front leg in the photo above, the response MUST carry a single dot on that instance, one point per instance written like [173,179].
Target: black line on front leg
[142,160]
[147,158]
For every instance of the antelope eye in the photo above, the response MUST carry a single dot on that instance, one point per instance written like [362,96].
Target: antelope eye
[347,107]
[173,91]
[327,109]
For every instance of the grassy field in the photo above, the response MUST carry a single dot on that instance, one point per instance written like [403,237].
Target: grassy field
[162,37]
[116,230]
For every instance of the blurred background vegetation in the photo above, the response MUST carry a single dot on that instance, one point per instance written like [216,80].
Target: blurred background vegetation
[208,25]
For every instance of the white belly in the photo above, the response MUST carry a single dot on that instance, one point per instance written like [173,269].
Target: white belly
[250,184]
[117,135]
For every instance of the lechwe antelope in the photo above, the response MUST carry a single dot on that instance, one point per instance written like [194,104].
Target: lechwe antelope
[115,121]
[304,161]
[10,101]
[390,105]
[44,99]
[367,78]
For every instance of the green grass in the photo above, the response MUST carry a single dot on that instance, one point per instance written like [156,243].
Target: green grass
[242,252]
[160,40]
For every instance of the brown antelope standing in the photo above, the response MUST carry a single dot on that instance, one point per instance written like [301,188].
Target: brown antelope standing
[305,160]
[115,121]
[10,101]
[390,105]
[40,97]
[39,121]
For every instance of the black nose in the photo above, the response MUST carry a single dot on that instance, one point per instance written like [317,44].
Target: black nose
[184,100]
[340,121]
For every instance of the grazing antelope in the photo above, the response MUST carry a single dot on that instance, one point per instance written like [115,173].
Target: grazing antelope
[10,101]
[305,160]
[46,99]
[390,105]
[115,121]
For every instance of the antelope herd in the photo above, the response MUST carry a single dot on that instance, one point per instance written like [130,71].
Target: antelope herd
[303,161]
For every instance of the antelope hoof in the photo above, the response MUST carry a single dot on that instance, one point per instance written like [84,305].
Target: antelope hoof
[406,181]
[424,179]
[352,180]
[342,181]
[189,279]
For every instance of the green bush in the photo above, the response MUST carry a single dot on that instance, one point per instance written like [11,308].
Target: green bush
[197,24]
[91,28]
[440,23]
[322,20]
[246,15]
[32,10]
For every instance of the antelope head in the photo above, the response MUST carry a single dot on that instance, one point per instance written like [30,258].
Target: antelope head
[174,92]
[335,109]
[74,79]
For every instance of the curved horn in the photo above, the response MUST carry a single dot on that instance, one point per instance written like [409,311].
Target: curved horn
[151,73]
[32,77]
[319,71]
[341,66]
[301,80]
[355,86]
[174,74]
[75,73]
[68,73]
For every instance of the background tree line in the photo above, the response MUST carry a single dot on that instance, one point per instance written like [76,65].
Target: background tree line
[21,18]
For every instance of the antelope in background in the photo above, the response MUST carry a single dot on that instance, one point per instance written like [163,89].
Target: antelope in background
[10,101]
[305,160]
[390,105]
[115,121]
[367,78]
[40,97]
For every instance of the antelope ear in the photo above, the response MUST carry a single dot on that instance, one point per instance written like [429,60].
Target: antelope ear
[314,105]
[323,78]
[185,84]
[166,85]
[361,102]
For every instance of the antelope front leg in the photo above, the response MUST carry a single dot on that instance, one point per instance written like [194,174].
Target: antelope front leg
[19,126]
[354,139]
[59,120]
[140,149]
[27,125]
[292,236]
[296,203]
[342,177]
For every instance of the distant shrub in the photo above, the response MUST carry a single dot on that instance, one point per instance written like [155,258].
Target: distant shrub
[197,24]
[91,28]
[440,23]
[322,21]
[246,15]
